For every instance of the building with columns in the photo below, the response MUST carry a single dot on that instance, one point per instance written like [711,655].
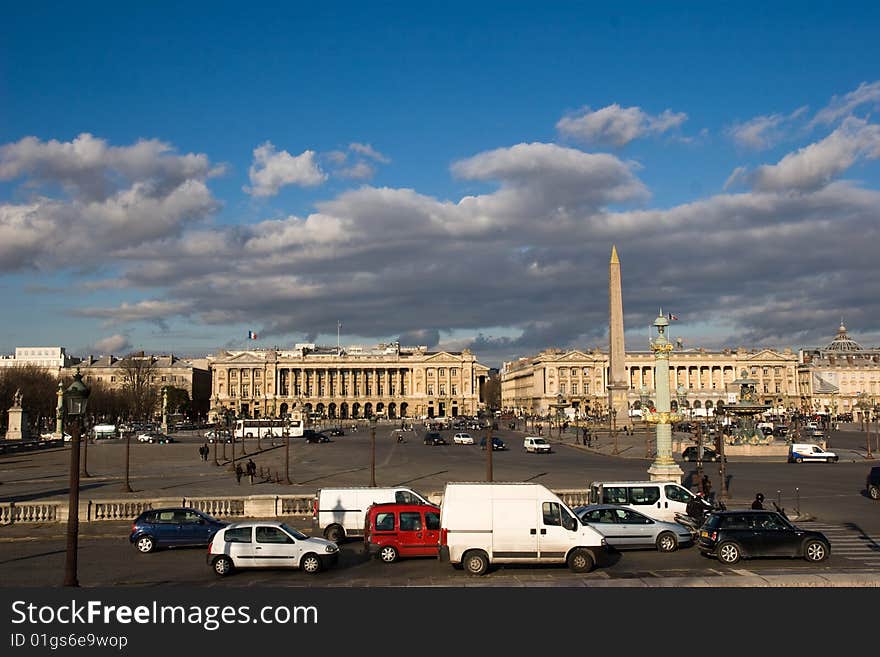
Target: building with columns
[348,382]
[529,385]
[833,377]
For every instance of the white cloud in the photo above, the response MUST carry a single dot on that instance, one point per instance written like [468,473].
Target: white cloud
[359,171]
[816,165]
[841,107]
[368,151]
[113,344]
[151,309]
[272,170]
[617,125]
[762,132]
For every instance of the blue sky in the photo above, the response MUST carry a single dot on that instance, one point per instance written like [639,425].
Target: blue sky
[450,174]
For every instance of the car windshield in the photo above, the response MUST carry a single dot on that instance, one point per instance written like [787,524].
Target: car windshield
[296,534]
[539,441]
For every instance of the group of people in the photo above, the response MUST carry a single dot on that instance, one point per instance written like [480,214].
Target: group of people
[250,468]
[204,450]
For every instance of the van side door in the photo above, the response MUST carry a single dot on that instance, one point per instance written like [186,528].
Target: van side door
[554,539]
[431,541]
[677,499]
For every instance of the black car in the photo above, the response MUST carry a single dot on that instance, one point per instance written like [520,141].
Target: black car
[873,483]
[336,431]
[733,535]
[497,444]
[316,437]
[709,454]
[173,527]
[434,438]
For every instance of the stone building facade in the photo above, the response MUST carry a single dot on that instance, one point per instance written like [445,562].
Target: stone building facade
[347,382]
[840,376]
[168,370]
[530,385]
[52,359]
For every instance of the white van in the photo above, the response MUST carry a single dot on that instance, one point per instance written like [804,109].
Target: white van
[341,512]
[800,452]
[536,444]
[660,500]
[100,431]
[483,523]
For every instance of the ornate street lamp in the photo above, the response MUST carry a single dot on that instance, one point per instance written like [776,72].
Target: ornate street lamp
[864,405]
[664,468]
[373,422]
[286,431]
[644,400]
[76,398]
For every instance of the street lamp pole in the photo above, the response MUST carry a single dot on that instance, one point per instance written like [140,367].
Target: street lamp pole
[127,487]
[85,459]
[373,451]
[76,398]
[287,453]
[722,460]
[489,449]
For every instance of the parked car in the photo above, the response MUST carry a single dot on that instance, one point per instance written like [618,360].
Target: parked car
[497,444]
[733,535]
[873,483]
[218,436]
[394,530]
[266,544]
[314,437]
[336,431]
[709,454]
[173,527]
[463,439]
[624,528]
[434,438]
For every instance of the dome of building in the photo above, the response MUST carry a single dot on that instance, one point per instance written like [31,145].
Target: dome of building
[843,342]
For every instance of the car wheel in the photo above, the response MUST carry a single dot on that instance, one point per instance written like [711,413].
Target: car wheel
[874,492]
[476,563]
[222,566]
[798,460]
[388,554]
[830,460]
[310,564]
[815,551]
[580,561]
[667,542]
[729,553]
[145,544]
[334,533]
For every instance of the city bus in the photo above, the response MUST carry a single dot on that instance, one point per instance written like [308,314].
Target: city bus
[263,427]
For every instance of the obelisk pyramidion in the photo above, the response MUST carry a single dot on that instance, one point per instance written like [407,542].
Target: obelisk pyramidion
[617,384]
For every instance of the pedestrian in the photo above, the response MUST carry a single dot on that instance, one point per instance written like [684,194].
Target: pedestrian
[205,451]
[706,487]
[238,473]
[251,470]
[758,504]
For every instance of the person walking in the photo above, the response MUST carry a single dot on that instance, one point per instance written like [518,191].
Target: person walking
[238,473]
[706,487]
[251,470]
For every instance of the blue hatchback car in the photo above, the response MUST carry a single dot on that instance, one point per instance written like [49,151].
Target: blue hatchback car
[172,527]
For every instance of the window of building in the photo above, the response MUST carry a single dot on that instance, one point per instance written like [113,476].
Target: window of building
[112,379]
[430,388]
[574,388]
[442,389]
[164,378]
[442,372]
[562,388]
[454,389]
[453,372]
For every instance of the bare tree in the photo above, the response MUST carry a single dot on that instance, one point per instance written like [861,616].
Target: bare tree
[141,393]
[492,391]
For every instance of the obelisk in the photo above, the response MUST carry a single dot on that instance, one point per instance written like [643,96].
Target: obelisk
[617,383]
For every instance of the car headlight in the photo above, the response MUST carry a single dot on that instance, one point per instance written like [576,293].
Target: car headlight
[330,549]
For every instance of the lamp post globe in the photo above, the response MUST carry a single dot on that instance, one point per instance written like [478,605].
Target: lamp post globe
[76,399]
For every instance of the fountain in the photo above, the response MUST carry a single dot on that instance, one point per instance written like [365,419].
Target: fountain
[745,410]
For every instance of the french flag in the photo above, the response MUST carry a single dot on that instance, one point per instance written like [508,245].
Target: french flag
[252,335]
[672,317]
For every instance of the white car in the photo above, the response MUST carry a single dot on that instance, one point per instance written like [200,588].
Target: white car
[268,544]
[536,445]
[463,439]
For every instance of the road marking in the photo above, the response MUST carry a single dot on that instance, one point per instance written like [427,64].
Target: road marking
[851,543]
[743,571]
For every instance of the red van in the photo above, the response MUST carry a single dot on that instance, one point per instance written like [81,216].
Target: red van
[393,530]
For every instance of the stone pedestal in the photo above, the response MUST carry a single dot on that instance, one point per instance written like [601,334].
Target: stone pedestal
[17,426]
[665,472]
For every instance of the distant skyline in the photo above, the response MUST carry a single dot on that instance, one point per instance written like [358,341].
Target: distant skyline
[453,175]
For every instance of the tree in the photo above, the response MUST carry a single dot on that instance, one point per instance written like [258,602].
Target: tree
[491,391]
[141,394]
[178,401]
[39,394]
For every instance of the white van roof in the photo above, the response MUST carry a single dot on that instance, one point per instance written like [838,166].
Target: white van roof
[632,483]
